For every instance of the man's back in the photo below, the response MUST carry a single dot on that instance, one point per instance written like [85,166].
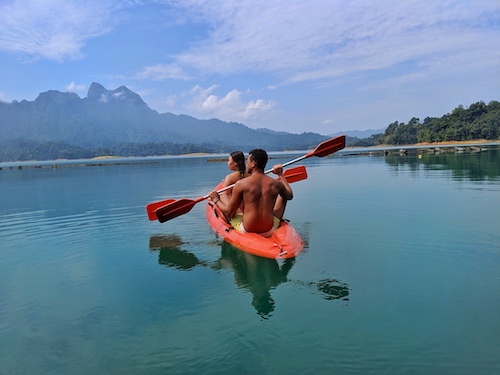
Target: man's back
[258,193]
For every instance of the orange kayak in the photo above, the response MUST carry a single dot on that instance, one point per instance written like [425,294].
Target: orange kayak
[284,243]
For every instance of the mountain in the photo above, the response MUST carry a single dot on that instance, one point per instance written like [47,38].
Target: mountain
[108,118]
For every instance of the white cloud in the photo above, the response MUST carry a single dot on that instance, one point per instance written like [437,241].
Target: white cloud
[302,41]
[162,72]
[50,29]
[73,87]
[231,107]
[170,101]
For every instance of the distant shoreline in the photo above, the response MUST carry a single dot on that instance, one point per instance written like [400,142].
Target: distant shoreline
[430,144]
[104,157]
[452,143]
[347,150]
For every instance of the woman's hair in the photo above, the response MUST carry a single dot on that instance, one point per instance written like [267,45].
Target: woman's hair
[239,159]
[259,156]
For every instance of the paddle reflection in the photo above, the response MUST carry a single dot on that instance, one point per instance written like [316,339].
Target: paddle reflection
[257,275]
[170,253]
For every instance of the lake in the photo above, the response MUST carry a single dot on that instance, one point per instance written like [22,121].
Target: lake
[400,273]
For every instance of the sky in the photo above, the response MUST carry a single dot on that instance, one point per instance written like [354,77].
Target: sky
[324,66]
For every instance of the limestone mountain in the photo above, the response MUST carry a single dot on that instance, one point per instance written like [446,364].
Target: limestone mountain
[106,118]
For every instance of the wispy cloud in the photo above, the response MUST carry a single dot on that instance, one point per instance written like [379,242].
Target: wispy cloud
[73,87]
[50,29]
[162,72]
[231,107]
[300,41]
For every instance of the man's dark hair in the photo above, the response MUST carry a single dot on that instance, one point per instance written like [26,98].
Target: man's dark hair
[259,156]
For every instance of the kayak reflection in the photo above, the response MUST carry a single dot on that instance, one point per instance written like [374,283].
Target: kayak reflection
[255,274]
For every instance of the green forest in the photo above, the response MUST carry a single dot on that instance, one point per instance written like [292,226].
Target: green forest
[479,121]
[21,149]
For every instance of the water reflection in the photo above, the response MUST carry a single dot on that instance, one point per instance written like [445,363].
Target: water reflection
[331,289]
[170,253]
[481,165]
[257,275]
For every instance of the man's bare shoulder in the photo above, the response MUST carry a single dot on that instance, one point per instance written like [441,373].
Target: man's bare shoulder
[252,180]
[241,183]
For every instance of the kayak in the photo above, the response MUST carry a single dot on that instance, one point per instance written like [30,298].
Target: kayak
[284,243]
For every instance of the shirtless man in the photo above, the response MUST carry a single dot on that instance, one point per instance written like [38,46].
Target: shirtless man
[261,197]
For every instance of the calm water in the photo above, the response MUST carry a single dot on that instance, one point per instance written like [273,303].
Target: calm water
[400,274]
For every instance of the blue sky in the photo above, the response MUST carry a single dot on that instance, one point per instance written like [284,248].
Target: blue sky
[324,65]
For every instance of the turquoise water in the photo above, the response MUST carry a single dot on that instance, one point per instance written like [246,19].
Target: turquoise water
[400,272]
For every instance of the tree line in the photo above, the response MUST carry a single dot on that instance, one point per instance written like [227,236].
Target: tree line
[479,121]
[23,149]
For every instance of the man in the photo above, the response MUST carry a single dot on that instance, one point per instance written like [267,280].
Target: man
[261,198]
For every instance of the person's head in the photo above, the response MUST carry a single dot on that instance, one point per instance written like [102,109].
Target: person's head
[259,157]
[236,161]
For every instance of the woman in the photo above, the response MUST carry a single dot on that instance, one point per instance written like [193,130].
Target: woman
[236,163]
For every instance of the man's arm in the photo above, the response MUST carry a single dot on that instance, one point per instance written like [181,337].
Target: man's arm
[286,191]
[228,208]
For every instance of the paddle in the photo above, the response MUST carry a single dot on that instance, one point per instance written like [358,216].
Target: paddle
[295,174]
[152,207]
[292,175]
[183,206]
[323,149]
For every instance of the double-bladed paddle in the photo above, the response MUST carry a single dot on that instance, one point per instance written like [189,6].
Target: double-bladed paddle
[292,175]
[173,208]
[184,205]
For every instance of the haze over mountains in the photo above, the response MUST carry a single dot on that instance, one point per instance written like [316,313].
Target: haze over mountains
[106,118]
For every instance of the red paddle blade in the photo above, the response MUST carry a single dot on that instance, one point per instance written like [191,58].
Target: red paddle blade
[152,207]
[177,208]
[295,174]
[328,147]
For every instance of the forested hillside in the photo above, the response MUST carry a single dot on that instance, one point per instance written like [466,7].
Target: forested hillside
[479,121]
